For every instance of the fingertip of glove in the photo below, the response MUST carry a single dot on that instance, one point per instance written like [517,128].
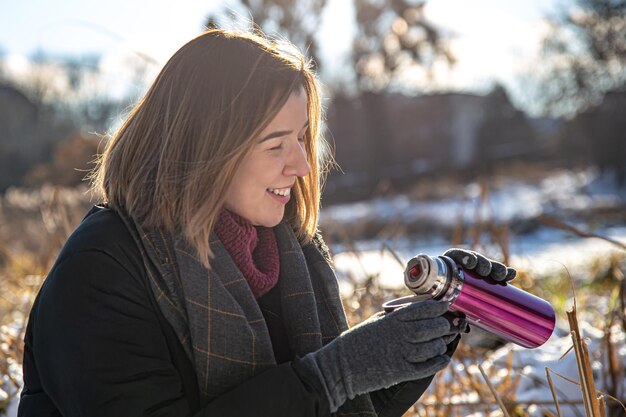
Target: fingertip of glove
[463,257]
[498,271]
[483,266]
[510,274]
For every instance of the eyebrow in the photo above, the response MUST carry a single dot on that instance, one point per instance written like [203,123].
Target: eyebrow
[280,133]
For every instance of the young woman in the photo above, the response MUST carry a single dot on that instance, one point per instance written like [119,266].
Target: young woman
[201,287]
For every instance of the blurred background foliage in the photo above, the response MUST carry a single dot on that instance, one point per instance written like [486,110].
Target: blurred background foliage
[386,124]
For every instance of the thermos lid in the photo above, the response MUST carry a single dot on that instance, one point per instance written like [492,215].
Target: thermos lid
[422,274]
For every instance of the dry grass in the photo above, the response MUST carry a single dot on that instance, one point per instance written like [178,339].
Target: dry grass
[34,225]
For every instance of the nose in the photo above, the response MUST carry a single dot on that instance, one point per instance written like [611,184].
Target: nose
[297,162]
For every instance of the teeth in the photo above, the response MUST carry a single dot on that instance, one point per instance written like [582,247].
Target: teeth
[280,191]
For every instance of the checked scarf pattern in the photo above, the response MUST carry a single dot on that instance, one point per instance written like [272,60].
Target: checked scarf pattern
[217,319]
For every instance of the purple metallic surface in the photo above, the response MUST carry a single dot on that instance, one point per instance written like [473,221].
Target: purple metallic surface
[506,311]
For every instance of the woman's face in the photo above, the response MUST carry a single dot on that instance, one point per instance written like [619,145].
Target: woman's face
[262,184]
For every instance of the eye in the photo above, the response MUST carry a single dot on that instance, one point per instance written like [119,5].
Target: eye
[274,144]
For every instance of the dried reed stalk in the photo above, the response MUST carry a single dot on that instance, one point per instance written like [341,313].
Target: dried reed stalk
[622,303]
[615,372]
[474,383]
[600,393]
[590,400]
[493,391]
[394,254]
[602,405]
[552,222]
[553,391]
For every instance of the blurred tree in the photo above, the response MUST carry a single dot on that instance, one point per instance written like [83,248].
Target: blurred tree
[296,20]
[584,56]
[72,160]
[393,42]
[393,39]
[75,88]
[41,82]
[84,98]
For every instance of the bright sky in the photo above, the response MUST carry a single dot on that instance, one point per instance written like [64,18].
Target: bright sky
[494,39]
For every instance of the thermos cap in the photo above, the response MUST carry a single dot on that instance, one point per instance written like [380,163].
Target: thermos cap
[422,274]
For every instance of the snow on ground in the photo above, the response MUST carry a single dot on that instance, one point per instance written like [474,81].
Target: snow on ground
[509,200]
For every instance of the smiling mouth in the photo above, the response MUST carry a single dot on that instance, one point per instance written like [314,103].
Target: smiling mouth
[284,192]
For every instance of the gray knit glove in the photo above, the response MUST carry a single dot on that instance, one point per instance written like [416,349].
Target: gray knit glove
[386,349]
[482,266]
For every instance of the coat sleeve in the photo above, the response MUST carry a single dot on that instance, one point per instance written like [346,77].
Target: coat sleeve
[396,400]
[99,350]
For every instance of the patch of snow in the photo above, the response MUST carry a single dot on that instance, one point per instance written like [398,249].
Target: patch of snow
[509,200]
[546,251]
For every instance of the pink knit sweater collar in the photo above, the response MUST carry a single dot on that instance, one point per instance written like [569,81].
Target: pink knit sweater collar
[253,249]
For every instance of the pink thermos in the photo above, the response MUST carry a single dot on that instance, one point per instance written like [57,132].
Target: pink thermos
[504,310]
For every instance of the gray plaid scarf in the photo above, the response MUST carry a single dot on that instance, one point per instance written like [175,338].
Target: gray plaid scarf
[218,320]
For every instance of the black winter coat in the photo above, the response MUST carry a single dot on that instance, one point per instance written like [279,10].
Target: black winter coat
[97,344]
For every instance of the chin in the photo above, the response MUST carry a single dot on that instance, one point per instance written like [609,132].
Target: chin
[270,220]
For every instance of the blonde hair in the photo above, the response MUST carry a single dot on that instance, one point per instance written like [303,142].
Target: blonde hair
[170,163]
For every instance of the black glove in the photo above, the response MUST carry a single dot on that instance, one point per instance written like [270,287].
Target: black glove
[482,266]
[409,343]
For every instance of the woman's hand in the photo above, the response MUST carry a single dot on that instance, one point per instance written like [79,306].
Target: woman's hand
[481,265]
[410,343]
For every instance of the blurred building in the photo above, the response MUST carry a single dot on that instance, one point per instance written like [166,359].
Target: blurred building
[402,137]
[598,136]
[28,135]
